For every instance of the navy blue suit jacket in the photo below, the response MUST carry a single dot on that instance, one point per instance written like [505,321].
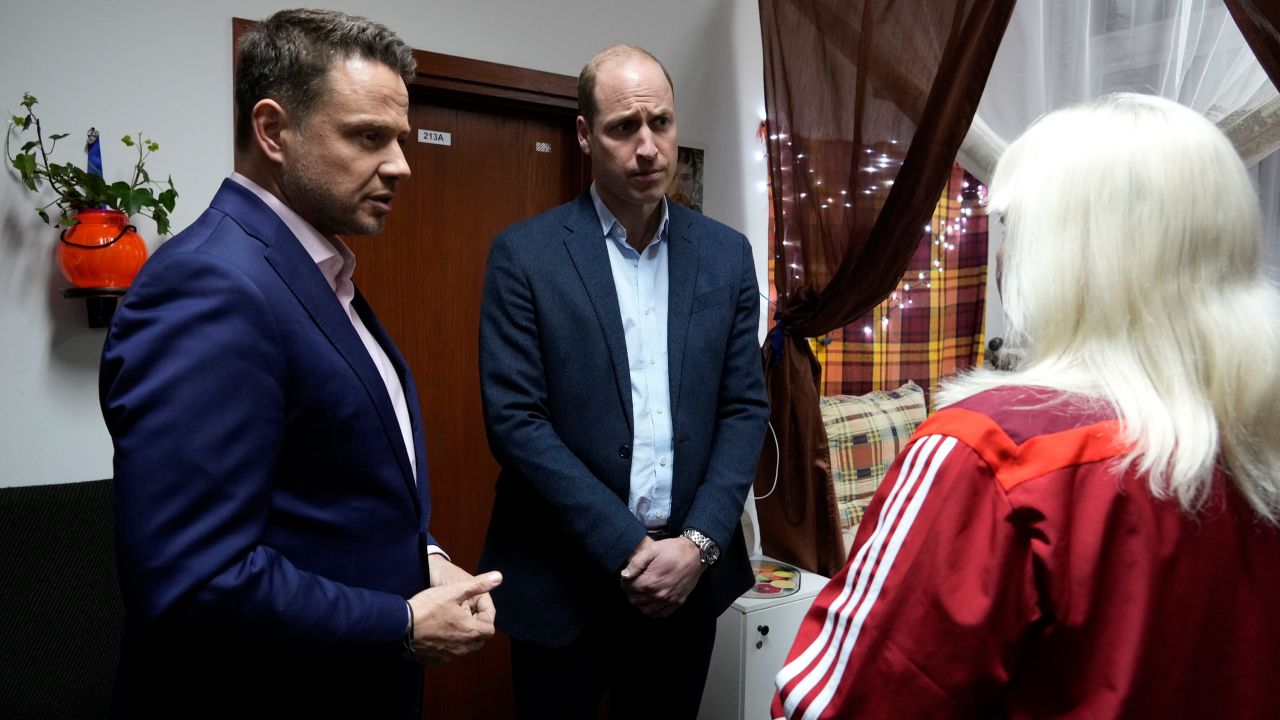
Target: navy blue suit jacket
[557,403]
[268,524]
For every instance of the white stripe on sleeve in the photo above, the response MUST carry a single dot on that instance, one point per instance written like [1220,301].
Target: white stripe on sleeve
[863,582]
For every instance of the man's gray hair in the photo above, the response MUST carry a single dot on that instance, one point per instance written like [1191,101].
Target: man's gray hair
[287,57]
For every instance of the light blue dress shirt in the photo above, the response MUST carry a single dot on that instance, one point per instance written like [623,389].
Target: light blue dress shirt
[641,282]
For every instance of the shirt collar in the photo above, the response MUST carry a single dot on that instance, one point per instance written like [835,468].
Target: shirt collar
[611,228]
[332,256]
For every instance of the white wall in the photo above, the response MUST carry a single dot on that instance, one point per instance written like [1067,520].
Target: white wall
[164,67]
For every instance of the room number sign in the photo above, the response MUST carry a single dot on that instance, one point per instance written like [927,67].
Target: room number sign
[435,137]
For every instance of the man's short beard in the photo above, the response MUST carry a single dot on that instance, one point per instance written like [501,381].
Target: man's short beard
[312,200]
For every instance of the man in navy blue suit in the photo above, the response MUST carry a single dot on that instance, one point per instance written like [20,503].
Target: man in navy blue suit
[624,401]
[270,475]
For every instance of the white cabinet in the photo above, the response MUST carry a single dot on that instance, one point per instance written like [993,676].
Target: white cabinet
[752,640]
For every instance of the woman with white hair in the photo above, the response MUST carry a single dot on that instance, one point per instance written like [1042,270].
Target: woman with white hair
[1096,533]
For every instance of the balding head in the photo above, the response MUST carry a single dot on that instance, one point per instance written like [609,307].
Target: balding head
[587,103]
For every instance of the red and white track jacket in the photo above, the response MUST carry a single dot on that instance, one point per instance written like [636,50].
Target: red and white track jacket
[1009,567]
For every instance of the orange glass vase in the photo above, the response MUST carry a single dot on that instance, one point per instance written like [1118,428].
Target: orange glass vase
[101,250]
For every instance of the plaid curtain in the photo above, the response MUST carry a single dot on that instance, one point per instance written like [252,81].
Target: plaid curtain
[867,103]
[932,324]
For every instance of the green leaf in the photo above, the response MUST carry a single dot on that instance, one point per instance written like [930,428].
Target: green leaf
[67,174]
[168,199]
[25,164]
[59,136]
[43,216]
[26,122]
[136,200]
[162,223]
[152,145]
[17,120]
[127,140]
[28,100]
[28,146]
[95,188]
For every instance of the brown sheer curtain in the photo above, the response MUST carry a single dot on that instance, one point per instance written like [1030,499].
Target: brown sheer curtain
[867,103]
[1259,22]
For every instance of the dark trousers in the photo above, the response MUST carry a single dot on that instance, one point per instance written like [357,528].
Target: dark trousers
[645,667]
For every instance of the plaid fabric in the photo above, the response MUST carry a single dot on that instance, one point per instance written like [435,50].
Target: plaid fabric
[933,325]
[865,433]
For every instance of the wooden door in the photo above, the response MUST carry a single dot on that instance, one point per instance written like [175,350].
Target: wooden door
[423,276]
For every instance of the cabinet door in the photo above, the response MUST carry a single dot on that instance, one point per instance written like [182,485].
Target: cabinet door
[768,635]
[722,697]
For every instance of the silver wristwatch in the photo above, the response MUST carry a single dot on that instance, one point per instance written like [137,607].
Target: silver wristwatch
[706,546]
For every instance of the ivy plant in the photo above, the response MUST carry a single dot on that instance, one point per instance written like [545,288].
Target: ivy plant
[76,189]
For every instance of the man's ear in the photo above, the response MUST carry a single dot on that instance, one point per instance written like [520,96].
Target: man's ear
[584,136]
[270,122]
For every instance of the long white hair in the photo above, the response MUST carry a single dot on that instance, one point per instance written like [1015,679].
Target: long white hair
[1132,272]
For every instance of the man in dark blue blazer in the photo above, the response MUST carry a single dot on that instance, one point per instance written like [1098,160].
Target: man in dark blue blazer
[270,475]
[624,401]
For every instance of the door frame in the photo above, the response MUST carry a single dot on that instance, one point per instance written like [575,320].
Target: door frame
[441,75]
[477,79]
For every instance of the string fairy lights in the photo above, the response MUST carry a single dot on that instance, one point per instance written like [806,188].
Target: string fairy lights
[833,188]
[876,166]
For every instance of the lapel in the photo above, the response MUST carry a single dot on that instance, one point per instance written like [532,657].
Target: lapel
[416,431]
[586,247]
[299,273]
[682,274]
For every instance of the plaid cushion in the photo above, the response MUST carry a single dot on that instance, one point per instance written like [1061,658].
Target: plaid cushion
[865,433]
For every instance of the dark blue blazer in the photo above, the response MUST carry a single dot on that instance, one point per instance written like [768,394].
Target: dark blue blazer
[557,403]
[268,524]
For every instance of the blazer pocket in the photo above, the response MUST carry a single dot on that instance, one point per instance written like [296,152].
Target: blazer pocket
[711,298]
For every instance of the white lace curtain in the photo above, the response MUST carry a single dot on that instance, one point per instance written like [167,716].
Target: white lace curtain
[1059,52]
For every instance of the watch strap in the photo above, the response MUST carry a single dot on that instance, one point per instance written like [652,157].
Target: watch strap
[707,547]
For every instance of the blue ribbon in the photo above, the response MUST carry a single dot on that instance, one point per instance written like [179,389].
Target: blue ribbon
[94,149]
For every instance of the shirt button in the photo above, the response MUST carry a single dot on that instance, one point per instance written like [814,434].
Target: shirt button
[662,462]
[659,411]
[653,361]
[646,312]
[624,452]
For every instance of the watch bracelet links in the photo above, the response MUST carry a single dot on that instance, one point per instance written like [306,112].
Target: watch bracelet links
[708,549]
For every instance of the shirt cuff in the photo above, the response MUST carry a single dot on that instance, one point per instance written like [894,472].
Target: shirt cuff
[437,550]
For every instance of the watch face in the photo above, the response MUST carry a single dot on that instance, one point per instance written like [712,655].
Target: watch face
[712,552]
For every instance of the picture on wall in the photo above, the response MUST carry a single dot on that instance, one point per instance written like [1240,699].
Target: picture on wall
[686,185]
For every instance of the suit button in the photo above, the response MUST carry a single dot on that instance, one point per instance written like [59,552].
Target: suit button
[624,452]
